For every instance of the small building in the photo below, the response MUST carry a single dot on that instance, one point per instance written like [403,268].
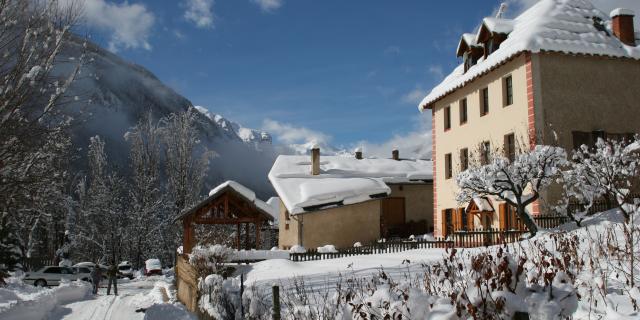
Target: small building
[561,73]
[232,204]
[341,200]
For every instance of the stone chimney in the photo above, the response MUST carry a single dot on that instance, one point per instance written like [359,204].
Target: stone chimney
[395,154]
[358,152]
[315,160]
[622,25]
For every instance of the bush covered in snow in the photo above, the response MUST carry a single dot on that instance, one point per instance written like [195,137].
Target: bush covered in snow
[218,297]
[210,259]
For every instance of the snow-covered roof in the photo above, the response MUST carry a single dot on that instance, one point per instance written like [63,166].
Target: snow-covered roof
[483,204]
[243,191]
[467,40]
[621,12]
[497,25]
[565,26]
[342,180]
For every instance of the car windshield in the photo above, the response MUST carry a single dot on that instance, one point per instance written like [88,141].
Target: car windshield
[124,268]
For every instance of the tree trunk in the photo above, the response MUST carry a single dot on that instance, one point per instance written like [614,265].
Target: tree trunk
[527,220]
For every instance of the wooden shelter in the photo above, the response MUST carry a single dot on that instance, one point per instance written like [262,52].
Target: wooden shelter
[481,208]
[228,204]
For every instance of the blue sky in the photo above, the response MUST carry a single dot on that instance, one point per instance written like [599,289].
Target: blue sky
[351,72]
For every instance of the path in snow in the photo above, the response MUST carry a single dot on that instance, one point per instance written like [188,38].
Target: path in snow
[131,296]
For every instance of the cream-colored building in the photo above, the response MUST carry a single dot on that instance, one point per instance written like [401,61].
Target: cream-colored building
[561,73]
[341,200]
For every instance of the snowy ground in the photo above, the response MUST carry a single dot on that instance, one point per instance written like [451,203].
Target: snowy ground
[146,298]
[600,299]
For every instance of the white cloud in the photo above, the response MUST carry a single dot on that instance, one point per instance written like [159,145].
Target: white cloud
[268,5]
[200,12]
[297,140]
[291,134]
[436,72]
[128,25]
[415,144]
[414,96]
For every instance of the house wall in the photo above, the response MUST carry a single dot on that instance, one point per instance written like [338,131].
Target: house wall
[563,93]
[287,237]
[584,93]
[491,127]
[418,201]
[340,226]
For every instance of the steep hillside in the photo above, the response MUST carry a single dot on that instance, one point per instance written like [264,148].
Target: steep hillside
[110,96]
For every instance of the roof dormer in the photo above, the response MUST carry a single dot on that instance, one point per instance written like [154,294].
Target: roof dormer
[492,33]
[469,50]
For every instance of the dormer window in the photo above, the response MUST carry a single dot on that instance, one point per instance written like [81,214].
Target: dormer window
[469,50]
[492,33]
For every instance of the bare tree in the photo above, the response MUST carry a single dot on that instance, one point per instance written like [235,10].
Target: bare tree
[610,169]
[516,182]
[147,200]
[34,144]
[186,166]
[101,229]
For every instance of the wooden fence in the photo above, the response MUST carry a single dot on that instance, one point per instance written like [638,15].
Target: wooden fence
[489,237]
[186,283]
[378,247]
[550,221]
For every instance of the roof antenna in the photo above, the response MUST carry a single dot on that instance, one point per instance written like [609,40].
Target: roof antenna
[501,10]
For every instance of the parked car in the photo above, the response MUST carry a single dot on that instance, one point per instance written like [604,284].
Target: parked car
[152,267]
[92,265]
[125,269]
[52,275]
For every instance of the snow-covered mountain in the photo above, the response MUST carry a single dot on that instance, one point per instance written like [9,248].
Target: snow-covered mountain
[111,94]
[235,130]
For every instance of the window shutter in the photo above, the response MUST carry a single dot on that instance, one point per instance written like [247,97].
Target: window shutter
[506,146]
[503,216]
[444,223]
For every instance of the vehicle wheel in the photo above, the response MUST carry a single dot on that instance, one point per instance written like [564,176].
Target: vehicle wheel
[40,283]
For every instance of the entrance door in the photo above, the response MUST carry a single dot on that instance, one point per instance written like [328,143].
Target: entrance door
[392,222]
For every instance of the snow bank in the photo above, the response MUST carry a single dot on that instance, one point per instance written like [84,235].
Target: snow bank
[19,301]
[342,180]
[327,249]
[297,249]
[167,311]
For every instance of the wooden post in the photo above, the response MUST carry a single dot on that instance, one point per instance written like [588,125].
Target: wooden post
[258,225]
[241,292]
[246,236]
[276,303]
[187,236]
[238,237]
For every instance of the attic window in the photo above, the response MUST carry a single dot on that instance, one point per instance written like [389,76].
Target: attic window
[599,24]
[469,60]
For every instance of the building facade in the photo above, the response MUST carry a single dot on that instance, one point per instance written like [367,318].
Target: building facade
[345,200]
[520,85]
